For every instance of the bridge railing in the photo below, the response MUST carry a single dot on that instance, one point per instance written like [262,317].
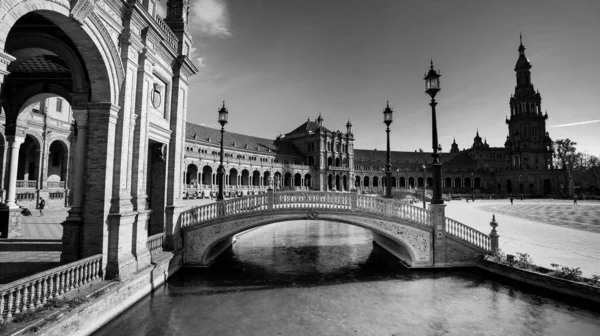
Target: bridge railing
[230,207]
[468,234]
[34,291]
[394,208]
[312,200]
[306,200]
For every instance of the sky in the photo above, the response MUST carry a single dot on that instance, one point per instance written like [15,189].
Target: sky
[278,62]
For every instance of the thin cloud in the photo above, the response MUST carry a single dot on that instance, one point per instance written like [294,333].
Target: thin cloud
[577,123]
[211,17]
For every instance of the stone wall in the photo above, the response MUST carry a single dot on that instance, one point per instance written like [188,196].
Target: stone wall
[90,316]
[460,253]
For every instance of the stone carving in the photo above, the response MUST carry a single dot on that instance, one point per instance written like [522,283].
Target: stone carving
[82,9]
[312,214]
[156,96]
[109,11]
[112,48]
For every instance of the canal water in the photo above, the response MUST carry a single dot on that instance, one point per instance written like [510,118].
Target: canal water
[321,278]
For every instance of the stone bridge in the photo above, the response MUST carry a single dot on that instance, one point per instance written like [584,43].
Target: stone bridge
[419,237]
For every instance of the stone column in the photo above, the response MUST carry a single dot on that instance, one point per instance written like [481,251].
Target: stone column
[438,220]
[71,239]
[97,227]
[3,157]
[10,214]
[14,143]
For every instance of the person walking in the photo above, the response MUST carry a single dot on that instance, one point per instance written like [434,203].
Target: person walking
[575,200]
[511,201]
[41,206]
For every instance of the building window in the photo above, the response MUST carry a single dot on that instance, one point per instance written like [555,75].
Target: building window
[58,105]
[55,159]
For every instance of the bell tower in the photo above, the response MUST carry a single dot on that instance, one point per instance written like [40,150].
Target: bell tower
[178,16]
[528,144]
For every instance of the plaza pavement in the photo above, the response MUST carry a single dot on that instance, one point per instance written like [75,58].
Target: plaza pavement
[545,243]
[39,247]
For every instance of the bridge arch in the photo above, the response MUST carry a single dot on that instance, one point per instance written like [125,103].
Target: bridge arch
[203,243]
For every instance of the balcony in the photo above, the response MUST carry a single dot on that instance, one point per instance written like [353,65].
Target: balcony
[56,184]
[26,184]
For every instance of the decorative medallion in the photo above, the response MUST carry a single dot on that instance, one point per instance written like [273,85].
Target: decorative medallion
[156,96]
[312,214]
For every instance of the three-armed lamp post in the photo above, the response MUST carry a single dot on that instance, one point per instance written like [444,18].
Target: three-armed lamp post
[223,114]
[387,119]
[424,185]
[432,87]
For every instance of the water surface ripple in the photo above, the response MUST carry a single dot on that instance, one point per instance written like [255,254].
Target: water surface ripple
[320,278]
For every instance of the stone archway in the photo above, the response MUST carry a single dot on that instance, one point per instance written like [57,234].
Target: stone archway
[80,63]
[202,240]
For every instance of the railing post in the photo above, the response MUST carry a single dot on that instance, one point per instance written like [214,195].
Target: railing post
[270,199]
[354,200]
[438,221]
[494,235]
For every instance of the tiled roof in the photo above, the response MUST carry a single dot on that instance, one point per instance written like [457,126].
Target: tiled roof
[239,141]
[306,126]
[377,156]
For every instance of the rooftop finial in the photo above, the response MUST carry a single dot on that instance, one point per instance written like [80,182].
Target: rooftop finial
[388,104]
[223,104]
[431,66]
[520,38]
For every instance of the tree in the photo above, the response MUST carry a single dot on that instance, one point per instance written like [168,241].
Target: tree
[567,157]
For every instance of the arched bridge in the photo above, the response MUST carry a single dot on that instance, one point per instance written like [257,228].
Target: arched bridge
[419,237]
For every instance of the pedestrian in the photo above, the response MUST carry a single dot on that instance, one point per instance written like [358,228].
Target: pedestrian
[574,200]
[41,206]
[511,201]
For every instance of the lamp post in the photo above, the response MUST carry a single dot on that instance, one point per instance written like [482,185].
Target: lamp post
[424,185]
[432,87]
[387,119]
[223,114]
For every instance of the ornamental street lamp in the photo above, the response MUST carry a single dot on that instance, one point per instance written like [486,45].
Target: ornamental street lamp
[223,114]
[424,185]
[432,87]
[387,119]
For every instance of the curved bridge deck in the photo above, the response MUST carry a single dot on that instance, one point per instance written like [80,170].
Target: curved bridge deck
[421,237]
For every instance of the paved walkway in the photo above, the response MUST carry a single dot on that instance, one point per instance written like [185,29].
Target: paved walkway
[545,243]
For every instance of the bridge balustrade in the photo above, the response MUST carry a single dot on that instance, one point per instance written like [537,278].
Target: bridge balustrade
[468,234]
[312,200]
[307,200]
[394,208]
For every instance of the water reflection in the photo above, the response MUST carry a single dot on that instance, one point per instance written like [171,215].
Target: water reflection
[318,278]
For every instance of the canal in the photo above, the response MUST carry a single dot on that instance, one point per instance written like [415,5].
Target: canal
[321,278]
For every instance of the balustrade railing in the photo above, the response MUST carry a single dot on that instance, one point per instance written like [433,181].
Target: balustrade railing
[394,208]
[306,200]
[468,234]
[170,36]
[155,243]
[27,184]
[313,199]
[56,184]
[34,291]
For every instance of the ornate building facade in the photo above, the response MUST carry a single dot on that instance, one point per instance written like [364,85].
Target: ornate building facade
[124,71]
[316,158]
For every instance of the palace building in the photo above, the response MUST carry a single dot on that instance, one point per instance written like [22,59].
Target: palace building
[313,157]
